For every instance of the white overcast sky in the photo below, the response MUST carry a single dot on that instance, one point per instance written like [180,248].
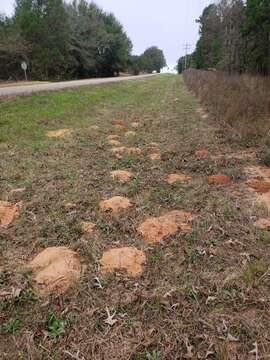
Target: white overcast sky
[166,24]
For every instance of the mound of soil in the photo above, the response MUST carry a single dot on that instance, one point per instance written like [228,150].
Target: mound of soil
[7,213]
[122,175]
[88,226]
[128,258]
[59,133]
[115,204]
[174,178]
[219,180]
[156,229]
[55,269]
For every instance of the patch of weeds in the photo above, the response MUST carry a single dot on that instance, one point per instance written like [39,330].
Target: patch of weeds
[230,293]
[192,294]
[191,238]
[228,210]
[55,325]
[193,255]
[10,326]
[129,323]
[223,352]
[134,186]
[105,228]
[212,242]
[252,271]
[265,157]
[160,194]
[157,257]
[153,355]
[129,161]
[68,231]
[263,236]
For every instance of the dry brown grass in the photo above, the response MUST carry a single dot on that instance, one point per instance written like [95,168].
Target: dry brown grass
[240,102]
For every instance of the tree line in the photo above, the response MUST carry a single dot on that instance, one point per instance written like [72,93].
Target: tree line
[60,40]
[234,37]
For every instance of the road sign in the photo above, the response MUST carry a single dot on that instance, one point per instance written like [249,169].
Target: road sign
[24,67]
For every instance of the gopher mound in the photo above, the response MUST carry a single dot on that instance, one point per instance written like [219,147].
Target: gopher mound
[135,125]
[114,142]
[88,226]
[130,133]
[55,269]
[259,186]
[115,204]
[156,229]
[122,175]
[113,137]
[202,153]
[119,123]
[7,213]
[59,133]
[219,180]
[127,258]
[155,156]
[120,151]
[174,178]
[263,224]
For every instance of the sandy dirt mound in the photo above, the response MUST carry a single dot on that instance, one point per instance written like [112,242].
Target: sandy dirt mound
[114,142]
[94,127]
[219,180]
[202,113]
[259,180]
[122,150]
[260,186]
[130,133]
[122,175]
[154,144]
[263,224]
[258,172]
[115,204]
[113,137]
[127,258]
[202,153]
[174,178]
[155,156]
[59,133]
[7,213]
[119,123]
[18,190]
[156,229]
[134,151]
[135,125]
[119,151]
[55,269]
[88,226]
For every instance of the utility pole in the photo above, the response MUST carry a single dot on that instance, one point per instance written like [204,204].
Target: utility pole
[186,47]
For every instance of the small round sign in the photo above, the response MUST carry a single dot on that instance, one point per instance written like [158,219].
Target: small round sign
[24,65]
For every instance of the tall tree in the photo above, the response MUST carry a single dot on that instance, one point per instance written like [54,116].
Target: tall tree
[153,59]
[256,30]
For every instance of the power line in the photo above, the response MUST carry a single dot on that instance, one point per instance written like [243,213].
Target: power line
[186,47]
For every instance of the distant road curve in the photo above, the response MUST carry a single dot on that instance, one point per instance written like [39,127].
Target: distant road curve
[30,89]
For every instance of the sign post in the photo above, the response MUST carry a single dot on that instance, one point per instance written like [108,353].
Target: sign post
[24,67]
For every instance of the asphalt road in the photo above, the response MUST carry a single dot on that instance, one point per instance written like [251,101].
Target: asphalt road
[29,89]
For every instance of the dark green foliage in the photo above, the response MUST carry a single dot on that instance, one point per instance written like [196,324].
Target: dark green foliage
[235,37]
[152,60]
[184,63]
[61,41]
